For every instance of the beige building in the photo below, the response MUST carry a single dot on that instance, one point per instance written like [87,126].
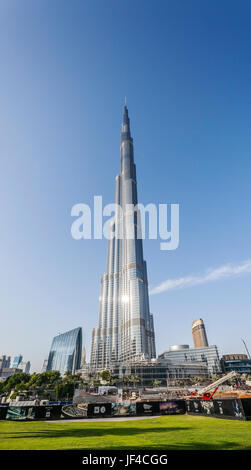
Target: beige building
[199,334]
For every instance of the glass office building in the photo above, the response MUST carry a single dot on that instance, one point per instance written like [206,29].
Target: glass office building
[16,361]
[183,354]
[236,362]
[161,370]
[65,353]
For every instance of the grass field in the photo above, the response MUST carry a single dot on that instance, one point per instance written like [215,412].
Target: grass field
[166,432]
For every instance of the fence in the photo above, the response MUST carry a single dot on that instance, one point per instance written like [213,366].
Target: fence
[226,408]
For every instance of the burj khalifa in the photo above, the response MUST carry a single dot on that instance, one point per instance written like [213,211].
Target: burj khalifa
[125,332]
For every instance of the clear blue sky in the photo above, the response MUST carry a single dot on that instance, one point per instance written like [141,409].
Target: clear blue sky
[65,69]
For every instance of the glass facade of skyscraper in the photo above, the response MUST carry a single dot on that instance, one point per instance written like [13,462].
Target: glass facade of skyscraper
[125,329]
[65,353]
[16,361]
[184,354]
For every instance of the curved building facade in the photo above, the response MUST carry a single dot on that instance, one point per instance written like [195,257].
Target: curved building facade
[65,352]
[199,334]
[125,328]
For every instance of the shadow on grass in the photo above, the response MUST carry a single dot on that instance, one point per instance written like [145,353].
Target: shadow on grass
[182,446]
[88,432]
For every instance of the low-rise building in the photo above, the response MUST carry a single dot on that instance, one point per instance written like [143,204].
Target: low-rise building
[163,371]
[236,362]
[6,372]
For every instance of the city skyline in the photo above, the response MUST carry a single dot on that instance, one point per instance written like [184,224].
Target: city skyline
[65,72]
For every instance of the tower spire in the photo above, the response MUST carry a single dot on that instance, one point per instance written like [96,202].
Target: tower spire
[125,131]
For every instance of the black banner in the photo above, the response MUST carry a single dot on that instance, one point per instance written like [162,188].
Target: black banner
[172,407]
[99,410]
[147,408]
[246,405]
[3,412]
[225,408]
[74,411]
[193,406]
[20,413]
[123,409]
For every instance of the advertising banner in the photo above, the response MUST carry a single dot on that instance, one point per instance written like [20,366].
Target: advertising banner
[75,411]
[123,409]
[3,412]
[33,412]
[229,407]
[246,405]
[172,407]
[99,410]
[225,408]
[20,413]
[147,408]
[193,406]
[207,407]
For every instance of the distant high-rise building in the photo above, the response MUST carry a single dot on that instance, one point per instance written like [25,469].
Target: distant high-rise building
[16,361]
[199,334]
[44,366]
[125,330]
[25,366]
[65,353]
[83,357]
[5,361]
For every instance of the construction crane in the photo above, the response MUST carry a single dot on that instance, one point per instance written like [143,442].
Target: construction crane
[246,348]
[208,392]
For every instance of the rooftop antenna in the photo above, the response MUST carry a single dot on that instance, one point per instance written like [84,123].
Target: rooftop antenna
[125,100]
[246,348]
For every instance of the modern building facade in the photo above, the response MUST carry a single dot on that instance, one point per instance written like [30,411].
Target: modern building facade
[236,362]
[199,334]
[6,372]
[5,361]
[183,354]
[83,357]
[16,361]
[125,330]
[25,366]
[65,353]
[44,366]
[163,371]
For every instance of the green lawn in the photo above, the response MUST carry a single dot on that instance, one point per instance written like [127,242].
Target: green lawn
[166,432]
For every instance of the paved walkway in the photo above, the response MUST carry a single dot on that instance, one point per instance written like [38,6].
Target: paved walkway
[98,420]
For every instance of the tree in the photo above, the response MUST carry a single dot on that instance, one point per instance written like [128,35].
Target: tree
[64,390]
[125,380]
[11,382]
[105,376]
[156,383]
[134,379]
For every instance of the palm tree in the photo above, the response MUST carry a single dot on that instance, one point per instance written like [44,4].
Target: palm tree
[134,379]
[156,383]
[125,380]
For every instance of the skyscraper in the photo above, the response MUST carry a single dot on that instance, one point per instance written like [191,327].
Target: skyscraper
[16,361]
[125,331]
[199,334]
[25,366]
[65,353]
